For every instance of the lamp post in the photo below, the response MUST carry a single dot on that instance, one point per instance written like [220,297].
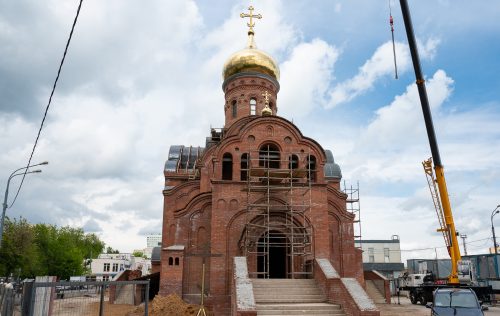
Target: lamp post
[495,211]
[5,205]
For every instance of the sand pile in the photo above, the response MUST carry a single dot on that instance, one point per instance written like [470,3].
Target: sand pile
[171,305]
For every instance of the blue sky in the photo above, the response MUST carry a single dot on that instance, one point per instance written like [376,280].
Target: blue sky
[141,76]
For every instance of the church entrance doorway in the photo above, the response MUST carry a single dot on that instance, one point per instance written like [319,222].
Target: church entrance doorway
[272,261]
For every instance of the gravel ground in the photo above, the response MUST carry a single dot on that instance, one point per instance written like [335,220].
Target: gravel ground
[407,308]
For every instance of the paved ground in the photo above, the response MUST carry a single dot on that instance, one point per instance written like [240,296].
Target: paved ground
[407,308]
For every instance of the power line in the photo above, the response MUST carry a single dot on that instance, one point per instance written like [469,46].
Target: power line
[48,104]
[432,248]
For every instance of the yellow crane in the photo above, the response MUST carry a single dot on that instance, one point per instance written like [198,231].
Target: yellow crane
[435,174]
[439,193]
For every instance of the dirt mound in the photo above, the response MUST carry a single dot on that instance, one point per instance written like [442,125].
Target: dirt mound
[171,305]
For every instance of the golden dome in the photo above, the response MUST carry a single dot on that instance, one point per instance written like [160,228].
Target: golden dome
[266,111]
[251,59]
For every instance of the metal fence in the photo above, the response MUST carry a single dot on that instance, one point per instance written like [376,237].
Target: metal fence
[114,298]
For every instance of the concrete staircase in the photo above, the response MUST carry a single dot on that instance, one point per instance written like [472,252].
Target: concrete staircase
[291,297]
[374,293]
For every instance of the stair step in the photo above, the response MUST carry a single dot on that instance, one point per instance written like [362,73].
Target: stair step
[301,312]
[290,300]
[310,306]
[287,281]
[283,286]
[296,291]
[300,309]
[292,297]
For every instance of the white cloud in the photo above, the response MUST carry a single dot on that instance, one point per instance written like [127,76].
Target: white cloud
[395,140]
[428,50]
[305,77]
[380,64]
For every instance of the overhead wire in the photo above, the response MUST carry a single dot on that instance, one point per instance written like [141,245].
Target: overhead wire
[436,247]
[49,102]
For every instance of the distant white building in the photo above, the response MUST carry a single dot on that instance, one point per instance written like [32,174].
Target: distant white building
[153,240]
[108,265]
[382,255]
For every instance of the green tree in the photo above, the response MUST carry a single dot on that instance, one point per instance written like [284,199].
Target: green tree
[42,249]
[63,250]
[111,250]
[18,255]
[138,254]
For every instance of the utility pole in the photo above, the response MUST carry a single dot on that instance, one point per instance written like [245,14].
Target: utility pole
[464,237]
[5,204]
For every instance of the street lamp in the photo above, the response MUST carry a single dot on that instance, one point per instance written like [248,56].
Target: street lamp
[495,211]
[12,175]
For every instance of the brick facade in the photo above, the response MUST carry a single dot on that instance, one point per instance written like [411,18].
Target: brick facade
[206,201]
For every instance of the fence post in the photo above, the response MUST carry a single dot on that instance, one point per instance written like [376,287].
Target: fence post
[3,292]
[146,299]
[101,304]
[33,294]
[9,301]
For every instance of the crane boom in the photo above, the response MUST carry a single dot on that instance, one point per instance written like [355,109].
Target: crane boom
[449,225]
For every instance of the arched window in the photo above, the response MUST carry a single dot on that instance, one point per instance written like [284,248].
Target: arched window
[271,106]
[234,108]
[293,162]
[311,166]
[170,261]
[227,167]
[176,261]
[244,167]
[253,106]
[269,156]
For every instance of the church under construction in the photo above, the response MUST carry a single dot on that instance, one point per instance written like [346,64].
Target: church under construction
[257,218]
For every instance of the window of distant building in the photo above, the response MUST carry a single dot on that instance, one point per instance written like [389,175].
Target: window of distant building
[105,278]
[227,167]
[253,106]
[386,255]
[106,267]
[371,255]
[115,267]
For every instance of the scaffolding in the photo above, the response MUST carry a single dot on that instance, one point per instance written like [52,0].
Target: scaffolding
[353,206]
[278,201]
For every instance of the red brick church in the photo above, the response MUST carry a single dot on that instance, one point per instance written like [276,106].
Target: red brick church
[261,201]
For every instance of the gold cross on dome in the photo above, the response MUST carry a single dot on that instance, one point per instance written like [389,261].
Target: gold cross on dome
[251,23]
[266,96]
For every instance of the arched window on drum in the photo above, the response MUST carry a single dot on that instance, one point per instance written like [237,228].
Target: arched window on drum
[234,108]
[253,106]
